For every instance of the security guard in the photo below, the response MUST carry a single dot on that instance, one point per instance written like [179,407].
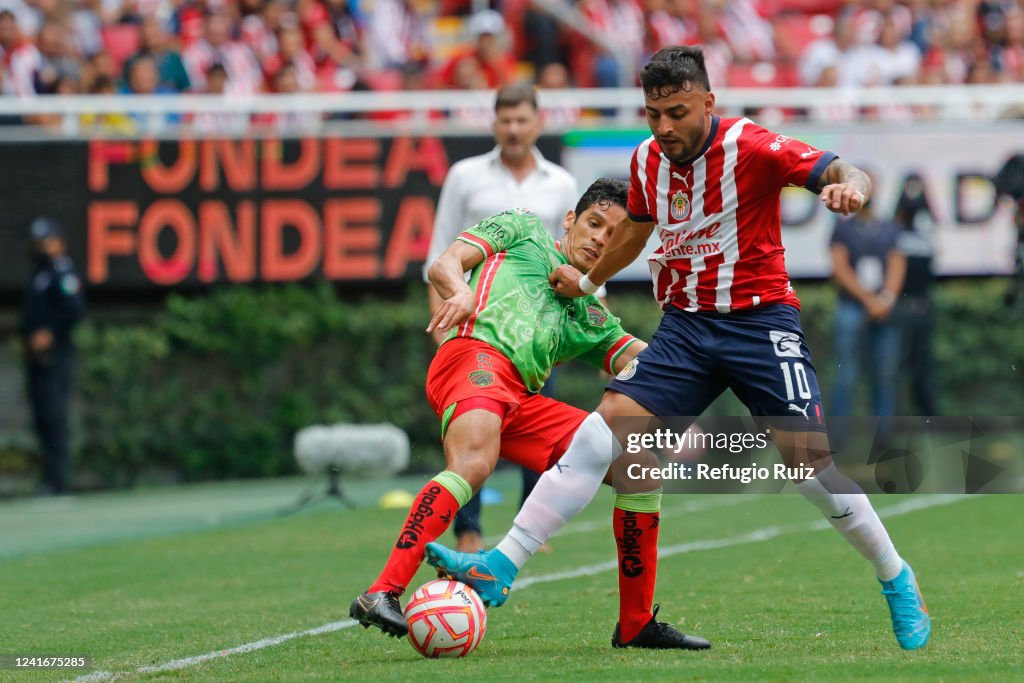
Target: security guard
[53,304]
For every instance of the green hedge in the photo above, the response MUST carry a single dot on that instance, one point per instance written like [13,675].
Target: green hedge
[216,386]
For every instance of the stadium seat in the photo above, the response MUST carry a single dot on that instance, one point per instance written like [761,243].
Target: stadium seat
[121,41]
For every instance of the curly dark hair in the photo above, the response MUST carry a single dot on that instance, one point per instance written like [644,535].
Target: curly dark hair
[672,69]
[604,192]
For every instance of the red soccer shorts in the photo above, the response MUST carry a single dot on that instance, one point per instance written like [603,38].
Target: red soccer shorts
[535,429]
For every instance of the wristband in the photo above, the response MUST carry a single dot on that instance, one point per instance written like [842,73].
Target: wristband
[586,286]
[887,297]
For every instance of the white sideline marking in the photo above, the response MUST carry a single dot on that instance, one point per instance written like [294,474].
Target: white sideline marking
[754,536]
[199,659]
[763,534]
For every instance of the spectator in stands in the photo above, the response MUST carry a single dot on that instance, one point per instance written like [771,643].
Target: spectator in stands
[399,35]
[670,22]
[259,29]
[747,29]
[869,269]
[244,74]
[541,38]
[828,52]
[28,17]
[86,28]
[900,58]
[101,64]
[339,48]
[286,82]
[56,62]
[221,121]
[620,23]
[469,75]
[291,52]
[347,25]
[20,57]
[555,76]
[489,51]
[954,50]
[1010,55]
[339,66]
[144,79]
[717,54]
[157,45]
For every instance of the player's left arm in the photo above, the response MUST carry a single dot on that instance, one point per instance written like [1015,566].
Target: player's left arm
[844,188]
[447,275]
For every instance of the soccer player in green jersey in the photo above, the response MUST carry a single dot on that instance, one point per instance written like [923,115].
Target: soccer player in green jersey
[506,329]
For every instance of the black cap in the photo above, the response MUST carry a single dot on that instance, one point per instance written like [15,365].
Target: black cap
[44,227]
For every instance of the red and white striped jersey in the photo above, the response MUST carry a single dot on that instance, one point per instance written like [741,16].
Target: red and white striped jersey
[719,217]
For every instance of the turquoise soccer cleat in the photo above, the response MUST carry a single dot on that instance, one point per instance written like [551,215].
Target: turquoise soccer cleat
[488,572]
[910,620]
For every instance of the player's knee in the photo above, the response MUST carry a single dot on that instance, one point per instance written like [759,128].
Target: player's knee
[473,465]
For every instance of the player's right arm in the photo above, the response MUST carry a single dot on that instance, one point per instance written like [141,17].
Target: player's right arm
[628,240]
[448,220]
[627,243]
[447,275]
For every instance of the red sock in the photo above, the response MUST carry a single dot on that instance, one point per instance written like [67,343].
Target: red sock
[430,515]
[636,537]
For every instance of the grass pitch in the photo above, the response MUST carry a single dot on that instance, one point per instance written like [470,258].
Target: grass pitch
[209,583]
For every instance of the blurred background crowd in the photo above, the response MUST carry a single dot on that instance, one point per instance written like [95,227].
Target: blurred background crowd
[248,46]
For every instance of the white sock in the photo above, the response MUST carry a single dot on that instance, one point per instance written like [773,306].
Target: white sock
[852,516]
[562,491]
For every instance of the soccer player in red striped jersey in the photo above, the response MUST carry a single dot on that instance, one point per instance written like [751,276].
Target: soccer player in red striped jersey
[710,187]
[506,330]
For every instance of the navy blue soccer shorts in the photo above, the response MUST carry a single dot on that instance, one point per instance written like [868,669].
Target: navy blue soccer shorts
[760,354]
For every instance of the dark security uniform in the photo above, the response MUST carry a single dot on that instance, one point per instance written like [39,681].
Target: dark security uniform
[53,300]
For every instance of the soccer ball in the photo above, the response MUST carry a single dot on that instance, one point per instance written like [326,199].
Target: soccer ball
[446,619]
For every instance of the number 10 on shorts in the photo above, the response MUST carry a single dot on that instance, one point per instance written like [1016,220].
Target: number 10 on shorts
[791,371]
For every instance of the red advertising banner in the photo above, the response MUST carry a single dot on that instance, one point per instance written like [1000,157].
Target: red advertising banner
[192,213]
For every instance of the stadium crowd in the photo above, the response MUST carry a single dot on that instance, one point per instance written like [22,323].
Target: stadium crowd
[247,46]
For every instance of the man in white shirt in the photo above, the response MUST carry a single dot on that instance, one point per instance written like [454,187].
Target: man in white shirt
[513,175]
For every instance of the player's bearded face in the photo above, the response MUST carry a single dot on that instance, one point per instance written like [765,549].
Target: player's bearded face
[588,234]
[680,121]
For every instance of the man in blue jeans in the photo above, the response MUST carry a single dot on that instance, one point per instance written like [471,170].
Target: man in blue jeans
[869,268]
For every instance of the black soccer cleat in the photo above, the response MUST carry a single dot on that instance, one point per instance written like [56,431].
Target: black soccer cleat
[380,609]
[657,635]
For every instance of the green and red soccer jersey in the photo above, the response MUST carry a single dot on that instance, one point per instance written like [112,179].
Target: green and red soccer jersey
[519,314]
